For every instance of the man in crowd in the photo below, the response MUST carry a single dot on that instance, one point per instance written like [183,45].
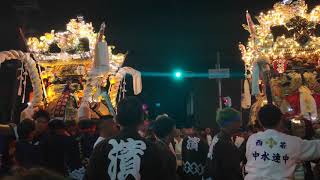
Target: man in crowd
[208,135]
[194,153]
[224,157]
[41,118]
[272,154]
[60,151]
[86,139]
[177,144]
[27,154]
[127,155]
[164,128]
[107,129]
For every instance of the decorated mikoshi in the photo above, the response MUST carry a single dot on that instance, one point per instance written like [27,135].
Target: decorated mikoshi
[74,73]
[282,60]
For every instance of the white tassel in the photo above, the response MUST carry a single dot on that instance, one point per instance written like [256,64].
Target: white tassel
[24,88]
[120,90]
[43,86]
[21,79]
[124,87]
[255,80]
[246,96]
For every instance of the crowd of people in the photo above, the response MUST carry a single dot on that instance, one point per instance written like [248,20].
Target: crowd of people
[126,148]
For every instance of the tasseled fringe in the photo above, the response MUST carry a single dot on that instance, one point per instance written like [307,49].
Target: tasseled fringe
[246,96]
[124,87]
[120,91]
[25,85]
[20,78]
[255,80]
[43,86]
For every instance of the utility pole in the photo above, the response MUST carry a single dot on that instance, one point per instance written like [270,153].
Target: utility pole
[219,80]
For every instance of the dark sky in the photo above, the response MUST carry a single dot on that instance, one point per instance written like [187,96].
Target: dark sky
[160,35]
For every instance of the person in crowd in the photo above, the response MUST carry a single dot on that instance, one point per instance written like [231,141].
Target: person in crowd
[126,155]
[194,153]
[143,128]
[164,128]
[224,158]
[27,154]
[273,155]
[177,144]
[178,139]
[41,118]
[60,151]
[86,139]
[7,129]
[208,135]
[200,132]
[301,127]
[107,129]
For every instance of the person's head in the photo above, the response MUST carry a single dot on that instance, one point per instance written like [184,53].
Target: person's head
[108,127]
[164,127]
[129,112]
[188,131]
[270,116]
[177,133]
[41,118]
[56,125]
[228,119]
[87,126]
[26,129]
[208,131]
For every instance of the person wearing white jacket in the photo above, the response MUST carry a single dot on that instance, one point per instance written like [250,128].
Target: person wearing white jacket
[272,155]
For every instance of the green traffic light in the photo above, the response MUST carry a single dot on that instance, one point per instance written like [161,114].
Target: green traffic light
[178,74]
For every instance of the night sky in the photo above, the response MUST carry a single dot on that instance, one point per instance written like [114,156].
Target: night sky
[159,35]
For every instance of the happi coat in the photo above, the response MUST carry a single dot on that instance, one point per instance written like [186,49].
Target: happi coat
[194,153]
[272,155]
[127,156]
[224,159]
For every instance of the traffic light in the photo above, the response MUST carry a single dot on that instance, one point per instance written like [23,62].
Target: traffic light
[178,74]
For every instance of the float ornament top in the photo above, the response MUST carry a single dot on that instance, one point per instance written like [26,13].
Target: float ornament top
[75,43]
[287,31]
[69,47]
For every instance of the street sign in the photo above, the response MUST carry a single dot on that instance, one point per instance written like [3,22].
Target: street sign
[219,73]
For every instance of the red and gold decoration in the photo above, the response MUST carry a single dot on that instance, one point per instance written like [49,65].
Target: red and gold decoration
[282,58]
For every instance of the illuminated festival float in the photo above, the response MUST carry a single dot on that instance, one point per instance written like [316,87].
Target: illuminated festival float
[74,73]
[282,60]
